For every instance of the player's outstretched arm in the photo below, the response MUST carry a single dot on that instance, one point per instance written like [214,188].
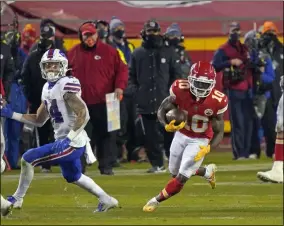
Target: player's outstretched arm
[167,105]
[37,119]
[80,109]
[218,129]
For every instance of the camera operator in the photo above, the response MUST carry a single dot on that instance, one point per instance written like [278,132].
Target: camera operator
[174,37]
[232,59]
[270,45]
[263,76]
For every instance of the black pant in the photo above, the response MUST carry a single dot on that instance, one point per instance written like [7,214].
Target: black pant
[268,124]
[154,139]
[131,141]
[241,118]
[105,142]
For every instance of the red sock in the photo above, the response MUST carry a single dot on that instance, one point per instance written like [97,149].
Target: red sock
[279,146]
[173,187]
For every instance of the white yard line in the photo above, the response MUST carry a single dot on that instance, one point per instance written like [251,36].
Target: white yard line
[139,172]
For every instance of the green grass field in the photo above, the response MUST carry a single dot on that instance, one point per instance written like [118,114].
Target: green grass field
[240,198]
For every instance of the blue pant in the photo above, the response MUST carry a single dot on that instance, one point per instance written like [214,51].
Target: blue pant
[68,159]
[241,118]
[12,128]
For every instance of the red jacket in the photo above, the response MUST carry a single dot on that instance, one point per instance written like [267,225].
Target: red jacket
[100,71]
[2,92]
[240,51]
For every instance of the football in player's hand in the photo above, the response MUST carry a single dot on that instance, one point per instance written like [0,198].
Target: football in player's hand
[176,114]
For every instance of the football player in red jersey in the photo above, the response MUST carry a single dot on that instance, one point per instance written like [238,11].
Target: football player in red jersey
[204,129]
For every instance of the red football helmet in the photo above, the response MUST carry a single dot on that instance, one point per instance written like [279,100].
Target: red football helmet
[202,79]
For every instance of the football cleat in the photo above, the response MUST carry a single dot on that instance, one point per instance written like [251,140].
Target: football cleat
[151,205]
[270,176]
[17,204]
[104,207]
[212,168]
[6,207]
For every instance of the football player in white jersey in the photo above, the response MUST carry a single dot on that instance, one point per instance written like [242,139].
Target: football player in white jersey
[276,173]
[62,103]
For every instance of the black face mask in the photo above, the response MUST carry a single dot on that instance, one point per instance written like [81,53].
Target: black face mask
[119,34]
[45,43]
[266,39]
[234,37]
[174,42]
[102,34]
[153,40]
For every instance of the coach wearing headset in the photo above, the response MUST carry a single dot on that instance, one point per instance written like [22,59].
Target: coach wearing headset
[100,70]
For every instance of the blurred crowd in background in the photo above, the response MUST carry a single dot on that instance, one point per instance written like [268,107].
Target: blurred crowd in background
[250,73]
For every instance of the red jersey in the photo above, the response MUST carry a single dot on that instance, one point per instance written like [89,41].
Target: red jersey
[199,113]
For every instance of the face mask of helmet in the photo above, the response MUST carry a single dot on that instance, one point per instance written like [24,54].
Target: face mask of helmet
[119,34]
[52,70]
[200,87]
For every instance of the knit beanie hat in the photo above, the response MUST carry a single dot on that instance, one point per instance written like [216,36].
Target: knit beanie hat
[114,23]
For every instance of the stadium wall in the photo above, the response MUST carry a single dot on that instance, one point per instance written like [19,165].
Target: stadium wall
[199,49]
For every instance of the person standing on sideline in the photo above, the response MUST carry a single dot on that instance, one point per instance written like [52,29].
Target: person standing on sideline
[153,68]
[232,59]
[100,71]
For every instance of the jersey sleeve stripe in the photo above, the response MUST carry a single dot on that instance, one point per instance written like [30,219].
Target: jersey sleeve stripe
[171,92]
[72,84]
[72,89]
[221,111]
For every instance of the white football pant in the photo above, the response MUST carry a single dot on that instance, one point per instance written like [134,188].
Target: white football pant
[182,153]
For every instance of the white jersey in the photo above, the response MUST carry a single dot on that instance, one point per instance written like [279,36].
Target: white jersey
[280,120]
[62,117]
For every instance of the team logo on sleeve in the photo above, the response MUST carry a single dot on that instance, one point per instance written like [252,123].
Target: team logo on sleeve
[208,112]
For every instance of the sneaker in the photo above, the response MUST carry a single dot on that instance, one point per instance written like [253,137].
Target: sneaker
[17,204]
[6,207]
[253,156]
[44,170]
[107,172]
[211,168]
[271,176]
[104,207]
[157,169]
[151,205]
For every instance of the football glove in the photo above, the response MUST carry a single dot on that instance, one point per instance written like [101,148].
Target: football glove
[6,111]
[171,127]
[204,150]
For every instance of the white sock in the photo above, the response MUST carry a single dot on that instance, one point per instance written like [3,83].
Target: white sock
[277,167]
[26,177]
[207,173]
[4,203]
[88,184]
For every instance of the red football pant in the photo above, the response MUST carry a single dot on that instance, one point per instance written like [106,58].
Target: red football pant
[173,187]
[279,146]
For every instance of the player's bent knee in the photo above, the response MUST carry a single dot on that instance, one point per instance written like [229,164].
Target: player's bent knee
[173,171]
[71,178]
